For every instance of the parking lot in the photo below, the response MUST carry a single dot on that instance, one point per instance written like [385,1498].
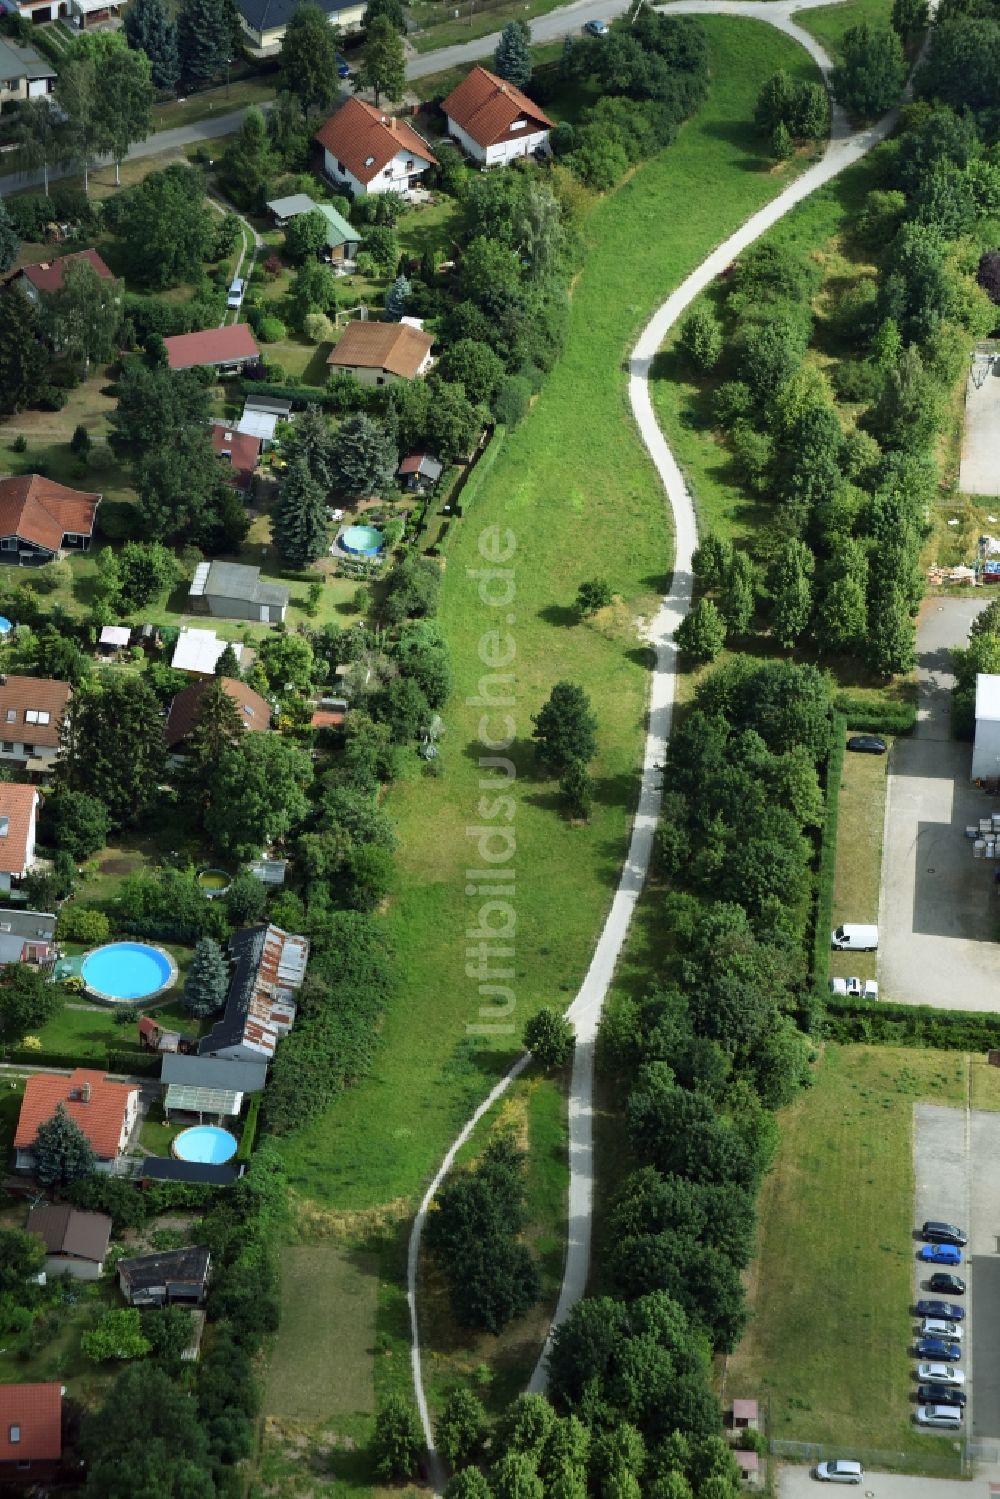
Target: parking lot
[957,1179]
[798,1483]
[938,912]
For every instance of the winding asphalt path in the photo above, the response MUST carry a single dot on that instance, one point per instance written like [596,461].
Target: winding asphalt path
[843,150]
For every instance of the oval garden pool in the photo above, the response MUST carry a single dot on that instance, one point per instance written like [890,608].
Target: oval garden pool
[127,972]
[206,1143]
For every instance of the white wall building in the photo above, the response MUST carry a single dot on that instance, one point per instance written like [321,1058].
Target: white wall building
[369,151]
[986,750]
[493,121]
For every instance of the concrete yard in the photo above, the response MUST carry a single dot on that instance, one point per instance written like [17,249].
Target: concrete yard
[980,468]
[939,911]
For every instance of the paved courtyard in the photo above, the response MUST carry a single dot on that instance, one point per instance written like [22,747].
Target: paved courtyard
[939,913]
[980,470]
[798,1483]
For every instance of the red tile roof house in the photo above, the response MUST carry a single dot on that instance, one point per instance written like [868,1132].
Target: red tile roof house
[40,518]
[240,450]
[225,349]
[382,353]
[30,1432]
[370,151]
[105,1111]
[254,711]
[48,275]
[18,815]
[493,121]
[31,713]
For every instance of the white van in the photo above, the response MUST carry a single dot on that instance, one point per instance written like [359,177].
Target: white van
[852,937]
[949,1416]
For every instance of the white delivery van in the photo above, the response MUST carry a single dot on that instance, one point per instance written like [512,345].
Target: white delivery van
[852,937]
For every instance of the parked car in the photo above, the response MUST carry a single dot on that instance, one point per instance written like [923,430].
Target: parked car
[940,1254]
[234,297]
[939,1349]
[941,1394]
[952,1285]
[936,1232]
[855,988]
[343,67]
[941,1373]
[937,1327]
[871,989]
[949,1416]
[940,1309]
[841,1470]
[596,28]
[867,744]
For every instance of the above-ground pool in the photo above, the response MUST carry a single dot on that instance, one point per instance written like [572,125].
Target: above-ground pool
[205,1142]
[6,625]
[127,971]
[213,882]
[362,541]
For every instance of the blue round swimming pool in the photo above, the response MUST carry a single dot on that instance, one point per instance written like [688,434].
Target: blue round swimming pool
[205,1142]
[362,541]
[127,971]
[6,625]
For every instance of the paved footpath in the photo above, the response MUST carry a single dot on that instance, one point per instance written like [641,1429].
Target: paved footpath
[844,149]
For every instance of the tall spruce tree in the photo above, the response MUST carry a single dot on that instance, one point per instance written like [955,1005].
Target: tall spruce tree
[208,979]
[512,58]
[363,457]
[62,1152]
[299,523]
[150,28]
[22,359]
[227,664]
[207,36]
[9,243]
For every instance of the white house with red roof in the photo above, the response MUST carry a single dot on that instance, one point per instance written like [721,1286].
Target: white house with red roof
[493,121]
[18,817]
[106,1112]
[30,1433]
[370,151]
[225,349]
[241,450]
[48,275]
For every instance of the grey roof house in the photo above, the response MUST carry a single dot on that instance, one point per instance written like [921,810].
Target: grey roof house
[209,1085]
[75,1242]
[24,74]
[231,590]
[27,936]
[166,1277]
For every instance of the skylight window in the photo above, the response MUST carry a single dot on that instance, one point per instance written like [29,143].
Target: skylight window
[15,1433]
[36,715]
[369,161]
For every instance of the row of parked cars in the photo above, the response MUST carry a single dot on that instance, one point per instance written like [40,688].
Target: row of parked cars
[941,1390]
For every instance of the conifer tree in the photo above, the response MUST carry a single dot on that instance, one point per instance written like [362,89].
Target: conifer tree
[512,58]
[208,979]
[150,28]
[299,523]
[62,1151]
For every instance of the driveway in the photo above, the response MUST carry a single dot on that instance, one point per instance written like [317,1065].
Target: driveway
[938,913]
[980,470]
[956,1160]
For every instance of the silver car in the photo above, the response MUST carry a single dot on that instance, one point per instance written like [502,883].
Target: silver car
[940,1374]
[841,1470]
[937,1327]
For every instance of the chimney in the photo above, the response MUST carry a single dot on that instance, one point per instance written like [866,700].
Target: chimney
[85,1093]
[392,123]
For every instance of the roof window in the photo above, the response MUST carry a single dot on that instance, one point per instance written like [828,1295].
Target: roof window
[15,1433]
[369,161]
[36,715]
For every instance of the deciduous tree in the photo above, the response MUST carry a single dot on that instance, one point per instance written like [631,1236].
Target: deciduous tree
[869,80]
[111,744]
[84,316]
[9,242]
[27,1001]
[397,1440]
[565,728]
[166,1453]
[22,357]
[309,57]
[701,634]
[383,61]
[548,1035]
[258,794]
[124,103]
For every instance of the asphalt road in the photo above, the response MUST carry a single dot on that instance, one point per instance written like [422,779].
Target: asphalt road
[798,1483]
[938,909]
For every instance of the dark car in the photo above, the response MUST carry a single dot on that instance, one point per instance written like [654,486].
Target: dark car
[343,67]
[867,744]
[951,1285]
[941,1394]
[939,1348]
[943,1233]
[940,1309]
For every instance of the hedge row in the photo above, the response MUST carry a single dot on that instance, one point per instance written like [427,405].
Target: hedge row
[249,1128]
[305,395]
[876,715]
[112,1059]
[466,492]
[828,856]
[911,1025]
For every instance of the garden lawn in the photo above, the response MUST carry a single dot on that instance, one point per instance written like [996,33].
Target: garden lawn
[836,1253]
[575,488]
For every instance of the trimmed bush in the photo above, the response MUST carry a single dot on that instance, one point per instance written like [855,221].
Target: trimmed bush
[876,715]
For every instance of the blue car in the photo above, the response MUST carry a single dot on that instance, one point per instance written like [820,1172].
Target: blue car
[939,1348]
[596,28]
[343,67]
[945,1309]
[940,1254]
